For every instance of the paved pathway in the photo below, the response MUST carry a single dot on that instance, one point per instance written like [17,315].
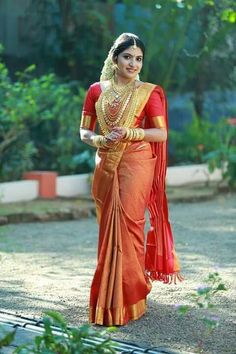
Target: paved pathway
[50,266]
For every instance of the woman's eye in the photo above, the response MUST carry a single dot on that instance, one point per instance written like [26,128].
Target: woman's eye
[128,57]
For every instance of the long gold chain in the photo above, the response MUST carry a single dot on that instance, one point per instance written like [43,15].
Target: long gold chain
[116,107]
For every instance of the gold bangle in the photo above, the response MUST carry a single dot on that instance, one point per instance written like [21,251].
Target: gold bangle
[134,134]
[99,141]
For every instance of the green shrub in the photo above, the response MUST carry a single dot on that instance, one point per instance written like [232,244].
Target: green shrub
[202,141]
[224,155]
[190,145]
[39,125]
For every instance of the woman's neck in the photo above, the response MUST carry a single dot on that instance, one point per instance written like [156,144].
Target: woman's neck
[122,81]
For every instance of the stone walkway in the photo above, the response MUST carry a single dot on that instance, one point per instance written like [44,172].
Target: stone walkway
[50,266]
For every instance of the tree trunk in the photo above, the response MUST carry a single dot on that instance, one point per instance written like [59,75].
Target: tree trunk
[201,74]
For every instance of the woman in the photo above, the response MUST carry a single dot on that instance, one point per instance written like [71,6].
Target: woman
[129,177]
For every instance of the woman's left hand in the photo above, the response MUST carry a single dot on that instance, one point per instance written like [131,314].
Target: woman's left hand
[116,135]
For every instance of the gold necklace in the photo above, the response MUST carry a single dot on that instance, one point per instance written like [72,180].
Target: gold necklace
[116,108]
[117,95]
[122,89]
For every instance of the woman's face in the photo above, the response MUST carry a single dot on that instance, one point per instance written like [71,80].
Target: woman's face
[129,63]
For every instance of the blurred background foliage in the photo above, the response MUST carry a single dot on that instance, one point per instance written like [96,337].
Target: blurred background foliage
[39,125]
[190,51]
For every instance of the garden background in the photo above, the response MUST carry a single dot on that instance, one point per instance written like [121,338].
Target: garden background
[52,50]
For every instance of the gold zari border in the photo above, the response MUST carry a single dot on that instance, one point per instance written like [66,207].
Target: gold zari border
[159,122]
[117,316]
[85,121]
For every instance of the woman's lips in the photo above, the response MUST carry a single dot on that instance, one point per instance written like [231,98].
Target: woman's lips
[131,70]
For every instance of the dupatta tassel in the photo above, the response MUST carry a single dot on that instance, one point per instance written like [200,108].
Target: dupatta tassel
[161,262]
[166,278]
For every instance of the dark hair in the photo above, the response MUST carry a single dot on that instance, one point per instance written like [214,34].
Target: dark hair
[124,41]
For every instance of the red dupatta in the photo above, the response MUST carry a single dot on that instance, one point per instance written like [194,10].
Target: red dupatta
[161,262]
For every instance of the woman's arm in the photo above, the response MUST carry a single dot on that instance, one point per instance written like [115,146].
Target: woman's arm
[155,134]
[95,140]
[136,134]
[87,136]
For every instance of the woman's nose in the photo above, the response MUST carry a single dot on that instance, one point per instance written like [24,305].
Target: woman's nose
[131,63]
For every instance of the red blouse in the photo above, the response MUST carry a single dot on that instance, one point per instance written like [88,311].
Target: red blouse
[153,110]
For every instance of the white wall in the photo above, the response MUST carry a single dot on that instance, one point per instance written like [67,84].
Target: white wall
[70,186]
[18,191]
[80,185]
[181,175]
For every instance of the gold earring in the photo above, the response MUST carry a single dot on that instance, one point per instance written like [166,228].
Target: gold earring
[115,66]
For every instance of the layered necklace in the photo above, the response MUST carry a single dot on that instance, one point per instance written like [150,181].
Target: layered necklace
[116,106]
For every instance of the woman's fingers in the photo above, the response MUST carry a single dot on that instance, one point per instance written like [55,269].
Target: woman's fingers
[114,136]
[120,130]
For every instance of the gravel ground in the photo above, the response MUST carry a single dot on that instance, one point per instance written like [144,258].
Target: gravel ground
[50,266]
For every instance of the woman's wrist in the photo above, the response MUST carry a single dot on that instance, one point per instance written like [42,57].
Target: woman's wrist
[134,134]
[100,141]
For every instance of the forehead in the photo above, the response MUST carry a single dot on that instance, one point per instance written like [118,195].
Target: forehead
[133,51]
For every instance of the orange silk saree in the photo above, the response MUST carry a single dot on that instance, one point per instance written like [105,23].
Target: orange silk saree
[126,182]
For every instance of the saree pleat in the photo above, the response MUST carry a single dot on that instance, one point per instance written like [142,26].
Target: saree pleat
[120,286]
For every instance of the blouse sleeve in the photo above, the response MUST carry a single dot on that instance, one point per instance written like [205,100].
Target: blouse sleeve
[88,119]
[154,110]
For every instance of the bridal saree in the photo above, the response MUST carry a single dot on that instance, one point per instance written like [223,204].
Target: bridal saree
[127,181]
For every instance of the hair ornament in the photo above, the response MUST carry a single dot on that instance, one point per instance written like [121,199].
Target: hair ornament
[108,68]
[134,46]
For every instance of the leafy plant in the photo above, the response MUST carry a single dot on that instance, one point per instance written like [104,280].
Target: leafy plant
[63,340]
[7,337]
[203,141]
[190,145]
[202,299]
[224,156]
[39,125]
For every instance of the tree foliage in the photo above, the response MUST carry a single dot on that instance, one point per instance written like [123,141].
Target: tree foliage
[69,37]
[190,43]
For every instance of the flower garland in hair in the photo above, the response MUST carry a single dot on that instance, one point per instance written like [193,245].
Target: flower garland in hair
[108,67]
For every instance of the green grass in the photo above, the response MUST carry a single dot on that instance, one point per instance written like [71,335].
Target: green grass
[190,192]
[39,206]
